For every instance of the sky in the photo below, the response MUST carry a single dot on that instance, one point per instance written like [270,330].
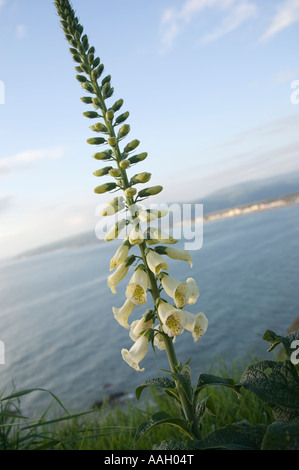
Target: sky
[212,87]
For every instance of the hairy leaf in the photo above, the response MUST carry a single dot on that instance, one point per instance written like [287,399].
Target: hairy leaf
[282,436]
[233,437]
[275,383]
[161,382]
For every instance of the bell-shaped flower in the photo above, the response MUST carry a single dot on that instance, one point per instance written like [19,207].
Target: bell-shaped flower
[136,290]
[146,216]
[156,262]
[173,253]
[136,353]
[114,278]
[155,235]
[178,291]
[159,340]
[136,236]
[172,318]
[193,291]
[197,324]
[117,204]
[116,229]
[139,326]
[122,314]
[121,255]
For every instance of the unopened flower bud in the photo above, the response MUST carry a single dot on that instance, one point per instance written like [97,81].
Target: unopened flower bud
[131,146]
[96,102]
[85,42]
[77,58]
[87,86]
[102,171]
[104,188]
[150,191]
[123,117]
[115,172]
[91,114]
[90,58]
[96,73]
[102,155]
[130,192]
[124,164]
[138,158]
[116,205]
[86,99]
[96,141]
[112,141]
[117,105]
[106,90]
[100,127]
[141,178]
[123,131]
[109,114]
[81,78]
[106,80]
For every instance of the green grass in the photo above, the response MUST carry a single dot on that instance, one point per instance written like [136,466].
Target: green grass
[112,427]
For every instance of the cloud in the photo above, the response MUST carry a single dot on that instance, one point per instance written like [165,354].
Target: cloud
[5,203]
[287,14]
[23,160]
[237,16]
[175,21]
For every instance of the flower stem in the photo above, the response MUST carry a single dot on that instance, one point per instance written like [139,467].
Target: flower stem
[186,405]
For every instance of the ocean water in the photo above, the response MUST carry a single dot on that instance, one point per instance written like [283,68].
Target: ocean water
[59,332]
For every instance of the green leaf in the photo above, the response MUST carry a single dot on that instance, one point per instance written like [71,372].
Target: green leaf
[275,383]
[205,405]
[31,390]
[161,382]
[205,380]
[184,378]
[173,393]
[281,436]
[282,413]
[287,341]
[163,418]
[233,437]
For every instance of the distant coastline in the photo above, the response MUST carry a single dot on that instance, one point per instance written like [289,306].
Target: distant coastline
[259,206]
[89,238]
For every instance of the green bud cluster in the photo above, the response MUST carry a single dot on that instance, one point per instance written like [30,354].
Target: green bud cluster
[89,71]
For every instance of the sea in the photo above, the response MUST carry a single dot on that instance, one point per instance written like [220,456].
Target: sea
[60,335]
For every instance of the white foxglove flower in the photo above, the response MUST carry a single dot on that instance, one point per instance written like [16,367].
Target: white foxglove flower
[138,326]
[122,314]
[117,204]
[172,318]
[136,236]
[120,255]
[136,353]
[197,324]
[137,287]
[159,341]
[156,262]
[193,291]
[178,291]
[115,230]
[117,276]
[156,235]
[146,216]
[173,253]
